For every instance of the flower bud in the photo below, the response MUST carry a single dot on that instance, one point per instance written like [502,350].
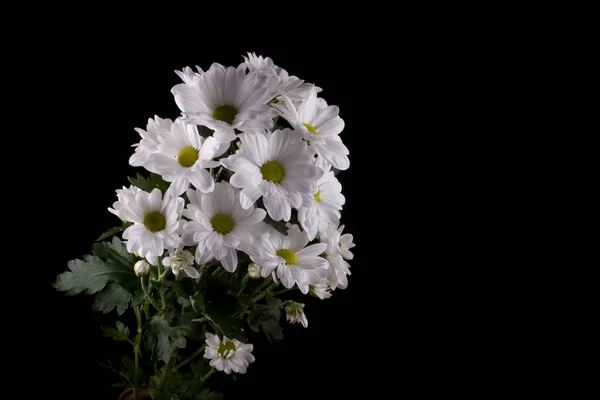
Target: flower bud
[141,268]
[322,291]
[254,270]
[295,313]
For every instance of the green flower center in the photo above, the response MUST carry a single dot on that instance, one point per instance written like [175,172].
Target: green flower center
[288,255]
[226,349]
[225,113]
[154,221]
[222,223]
[318,195]
[272,171]
[310,128]
[187,157]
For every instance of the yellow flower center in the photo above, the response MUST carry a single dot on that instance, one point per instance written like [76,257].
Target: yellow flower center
[310,128]
[222,223]
[272,171]
[187,157]
[288,255]
[226,349]
[154,221]
[318,195]
[225,113]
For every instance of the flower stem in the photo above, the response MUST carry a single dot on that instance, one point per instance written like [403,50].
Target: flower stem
[244,282]
[150,299]
[282,291]
[136,349]
[262,294]
[203,319]
[190,358]
[205,377]
[168,368]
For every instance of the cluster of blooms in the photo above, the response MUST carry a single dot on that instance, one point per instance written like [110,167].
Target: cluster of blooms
[231,160]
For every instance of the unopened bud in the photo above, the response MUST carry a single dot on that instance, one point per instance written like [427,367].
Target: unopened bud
[254,270]
[141,268]
[322,291]
[295,313]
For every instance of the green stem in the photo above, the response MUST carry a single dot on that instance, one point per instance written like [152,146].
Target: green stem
[168,368]
[217,270]
[136,349]
[203,319]
[280,292]
[190,358]
[218,174]
[150,299]
[262,294]
[205,377]
[244,282]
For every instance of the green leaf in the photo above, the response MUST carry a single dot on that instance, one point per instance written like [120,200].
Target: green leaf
[272,330]
[198,303]
[278,225]
[230,326]
[180,342]
[204,131]
[119,334]
[121,264]
[114,296]
[113,231]
[90,275]
[159,333]
[155,181]
[206,394]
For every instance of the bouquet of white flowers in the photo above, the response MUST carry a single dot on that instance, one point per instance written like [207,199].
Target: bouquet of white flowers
[241,205]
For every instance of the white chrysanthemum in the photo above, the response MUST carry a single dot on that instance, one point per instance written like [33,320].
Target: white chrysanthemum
[254,270]
[181,260]
[225,99]
[294,313]
[124,196]
[149,143]
[219,224]
[321,290]
[338,246]
[182,157]
[324,209]
[288,258]
[320,125]
[188,75]
[155,223]
[276,166]
[280,81]
[229,354]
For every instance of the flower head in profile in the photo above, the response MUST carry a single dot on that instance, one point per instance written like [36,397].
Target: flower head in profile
[125,196]
[155,223]
[321,290]
[289,259]
[320,125]
[276,166]
[182,157]
[149,142]
[228,354]
[180,260]
[224,99]
[324,209]
[338,251]
[294,313]
[219,225]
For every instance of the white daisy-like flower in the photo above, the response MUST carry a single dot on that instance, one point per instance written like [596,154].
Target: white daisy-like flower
[124,197]
[338,249]
[181,260]
[224,99]
[155,223]
[228,354]
[324,209]
[294,313]
[182,157]
[321,290]
[276,166]
[280,81]
[188,75]
[254,270]
[141,268]
[149,143]
[289,259]
[320,125]
[219,224]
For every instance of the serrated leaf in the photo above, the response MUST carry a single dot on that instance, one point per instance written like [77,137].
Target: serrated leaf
[272,329]
[114,296]
[198,302]
[154,181]
[159,333]
[121,264]
[120,334]
[113,231]
[180,342]
[90,275]
[279,226]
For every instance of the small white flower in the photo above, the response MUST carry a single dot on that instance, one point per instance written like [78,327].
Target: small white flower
[182,157]
[181,260]
[148,145]
[321,290]
[254,270]
[294,313]
[125,196]
[141,268]
[229,354]
[155,223]
[276,166]
[320,125]
[338,246]
[219,225]
[324,210]
[289,258]
[224,99]
[279,80]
